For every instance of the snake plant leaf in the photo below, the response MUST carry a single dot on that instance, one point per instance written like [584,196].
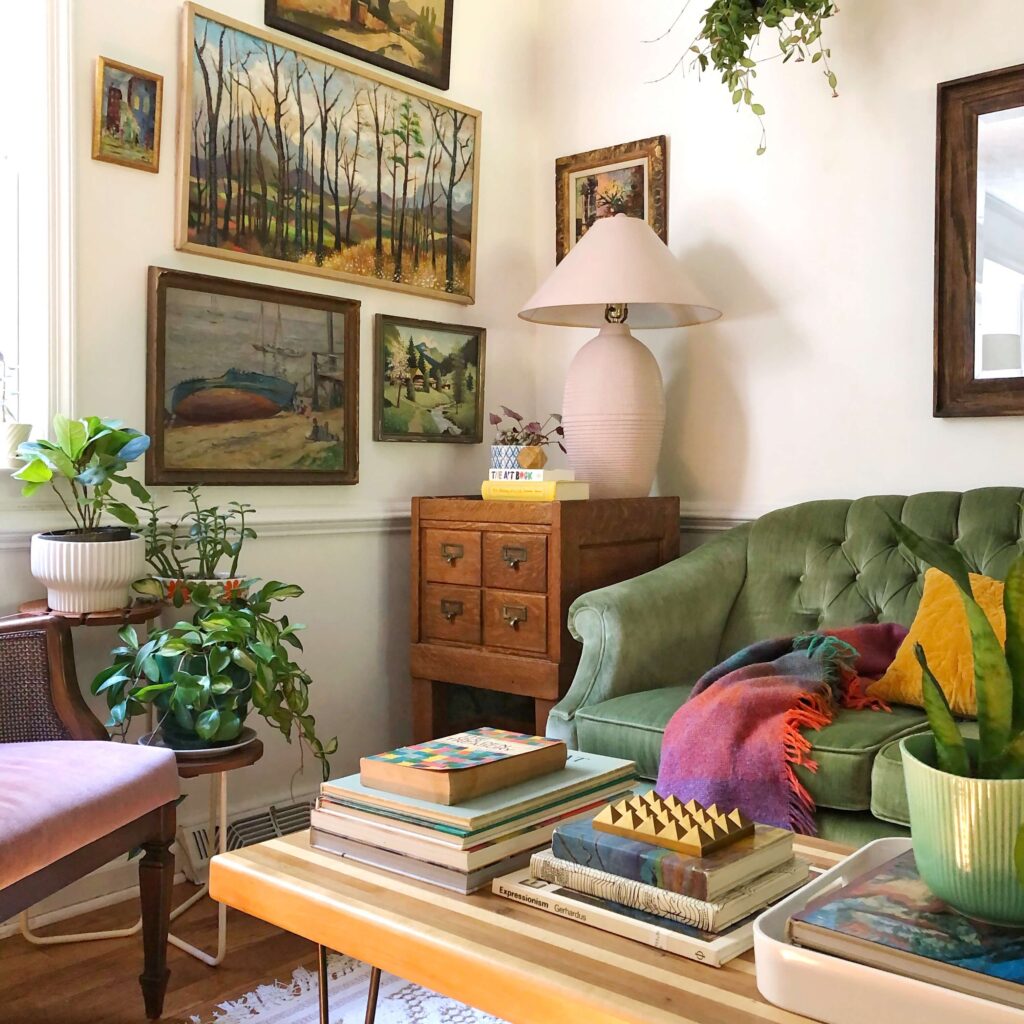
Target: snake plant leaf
[1013,605]
[993,688]
[944,557]
[1018,855]
[1012,766]
[949,744]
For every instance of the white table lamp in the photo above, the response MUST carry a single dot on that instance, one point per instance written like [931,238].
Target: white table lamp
[620,275]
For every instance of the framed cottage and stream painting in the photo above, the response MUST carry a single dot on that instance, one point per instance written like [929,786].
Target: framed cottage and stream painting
[250,385]
[299,160]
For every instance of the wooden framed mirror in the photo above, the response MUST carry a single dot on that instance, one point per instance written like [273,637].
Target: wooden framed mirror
[979,246]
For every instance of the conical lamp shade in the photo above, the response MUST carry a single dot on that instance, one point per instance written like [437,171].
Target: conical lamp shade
[619,260]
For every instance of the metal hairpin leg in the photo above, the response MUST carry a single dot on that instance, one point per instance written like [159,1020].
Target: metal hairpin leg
[218,810]
[324,979]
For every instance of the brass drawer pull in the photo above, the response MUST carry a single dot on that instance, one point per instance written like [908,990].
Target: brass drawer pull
[451,553]
[512,556]
[451,610]
[513,614]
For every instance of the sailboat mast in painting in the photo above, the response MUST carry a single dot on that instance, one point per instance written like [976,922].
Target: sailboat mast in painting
[294,159]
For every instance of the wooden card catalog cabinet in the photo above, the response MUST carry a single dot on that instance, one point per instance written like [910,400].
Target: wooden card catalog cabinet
[492,582]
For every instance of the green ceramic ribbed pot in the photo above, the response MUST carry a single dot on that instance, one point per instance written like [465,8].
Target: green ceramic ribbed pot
[964,831]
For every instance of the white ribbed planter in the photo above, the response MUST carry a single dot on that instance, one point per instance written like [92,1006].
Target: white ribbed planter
[11,435]
[613,412]
[84,576]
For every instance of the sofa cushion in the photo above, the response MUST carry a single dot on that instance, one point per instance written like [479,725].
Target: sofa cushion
[56,797]
[633,726]
[888,787]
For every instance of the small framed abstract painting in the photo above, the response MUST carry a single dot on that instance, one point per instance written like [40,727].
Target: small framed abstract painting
[127,109]
[410,39]
[428,381]
[247,384]
[630,178]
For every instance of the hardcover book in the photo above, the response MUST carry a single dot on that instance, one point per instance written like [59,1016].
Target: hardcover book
[710,916]
[535,490]
[889,919]
[659,932]
[531,474]
[703,878]
[457,768]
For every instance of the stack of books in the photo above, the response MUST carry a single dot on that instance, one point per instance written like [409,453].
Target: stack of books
[700,907]
[888,919]
[458,811]
[534,485]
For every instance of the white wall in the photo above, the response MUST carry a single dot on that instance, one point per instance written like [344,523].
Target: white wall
[817,381]
[347,546]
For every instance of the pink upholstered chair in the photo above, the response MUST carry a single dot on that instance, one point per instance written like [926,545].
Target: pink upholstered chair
[71,800]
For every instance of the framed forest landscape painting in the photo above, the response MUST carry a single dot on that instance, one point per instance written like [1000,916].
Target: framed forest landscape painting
[295,159]
[428,382]
[250,385]
[409,37]
[127,110]
[630,179]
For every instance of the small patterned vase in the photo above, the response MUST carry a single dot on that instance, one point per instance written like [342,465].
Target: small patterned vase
[505,456]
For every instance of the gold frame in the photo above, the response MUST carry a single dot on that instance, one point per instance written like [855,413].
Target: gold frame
[184,156]
[97,114]
[654,150]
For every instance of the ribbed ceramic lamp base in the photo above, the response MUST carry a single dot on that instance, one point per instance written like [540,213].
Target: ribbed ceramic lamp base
[613,412]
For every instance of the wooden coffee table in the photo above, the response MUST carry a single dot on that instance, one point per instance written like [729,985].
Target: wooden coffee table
[526,966]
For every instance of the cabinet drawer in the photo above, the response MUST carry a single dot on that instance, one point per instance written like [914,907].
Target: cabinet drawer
[516,561]
[450,613]
[516,620]
[451,556]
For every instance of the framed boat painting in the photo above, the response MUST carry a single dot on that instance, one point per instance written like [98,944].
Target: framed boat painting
[250,385]
[428,381]
[410,39]
[292,158]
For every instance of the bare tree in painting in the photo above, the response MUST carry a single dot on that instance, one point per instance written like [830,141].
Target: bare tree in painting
[408,135]
[197,120]
[459,152]
[212,121]
[379,104]
[324,107]
[301,71]
[279,96]
[350,165]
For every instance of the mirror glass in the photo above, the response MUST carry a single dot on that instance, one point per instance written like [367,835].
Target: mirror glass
[999,274]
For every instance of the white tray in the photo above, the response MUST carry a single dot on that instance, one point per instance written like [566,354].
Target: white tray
[838,991]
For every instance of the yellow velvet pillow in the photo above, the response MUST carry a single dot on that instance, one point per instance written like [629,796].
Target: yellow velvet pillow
[940,627]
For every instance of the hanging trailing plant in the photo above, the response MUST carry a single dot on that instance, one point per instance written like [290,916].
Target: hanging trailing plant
[731,29]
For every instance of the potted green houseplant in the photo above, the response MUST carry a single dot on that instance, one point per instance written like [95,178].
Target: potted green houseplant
[89,567]
[520,445]
[12,433]
[202,676]
[203,545]
[967,796]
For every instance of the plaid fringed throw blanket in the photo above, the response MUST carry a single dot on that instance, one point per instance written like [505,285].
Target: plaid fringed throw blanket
[736,741]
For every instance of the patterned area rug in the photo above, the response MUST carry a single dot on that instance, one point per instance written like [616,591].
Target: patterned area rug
[296,1002]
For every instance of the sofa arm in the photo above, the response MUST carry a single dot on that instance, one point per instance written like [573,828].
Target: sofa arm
[659,629]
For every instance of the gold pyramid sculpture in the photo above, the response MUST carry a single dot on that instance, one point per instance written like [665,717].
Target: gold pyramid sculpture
[668,822]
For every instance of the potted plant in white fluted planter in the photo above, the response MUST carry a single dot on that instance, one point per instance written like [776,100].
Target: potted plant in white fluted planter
[200,546]
[12,433]
[90,567]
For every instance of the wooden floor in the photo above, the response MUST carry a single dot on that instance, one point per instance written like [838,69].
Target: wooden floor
[96,982]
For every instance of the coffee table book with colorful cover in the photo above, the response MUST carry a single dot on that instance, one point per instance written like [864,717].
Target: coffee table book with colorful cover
[457,881]
[437,851]
[703,878]
[583,773]
[458,768]
[710,916]
[659,932]
[890,920]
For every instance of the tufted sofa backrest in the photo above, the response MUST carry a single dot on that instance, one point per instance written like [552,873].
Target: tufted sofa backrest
[824,564]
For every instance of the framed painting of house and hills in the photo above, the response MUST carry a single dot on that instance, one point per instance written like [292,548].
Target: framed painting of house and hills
[250,385]
[294,159]
[409,37]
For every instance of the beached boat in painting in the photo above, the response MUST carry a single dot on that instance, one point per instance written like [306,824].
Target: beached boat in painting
[235,395]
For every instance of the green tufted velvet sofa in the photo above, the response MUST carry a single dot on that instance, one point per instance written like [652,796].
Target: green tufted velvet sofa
[817,565]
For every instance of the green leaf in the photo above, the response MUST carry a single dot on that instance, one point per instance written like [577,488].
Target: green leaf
[993,687]
[208,723]
[34,472]
[151,668]
[1018,855]
[122,513]
[128,636]
[757,109]
[949,744]
[944,557]
[1013,605]
[239,657]
[71,435]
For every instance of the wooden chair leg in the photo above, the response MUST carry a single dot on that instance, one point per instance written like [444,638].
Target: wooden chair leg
[156,882]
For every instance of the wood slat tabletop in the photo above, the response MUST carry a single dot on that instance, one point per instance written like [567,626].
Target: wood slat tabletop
[525,966]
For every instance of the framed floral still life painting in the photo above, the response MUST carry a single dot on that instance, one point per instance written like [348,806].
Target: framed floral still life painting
[630,178]
[428,381]
[127,109]
[410,39]
[247,384]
